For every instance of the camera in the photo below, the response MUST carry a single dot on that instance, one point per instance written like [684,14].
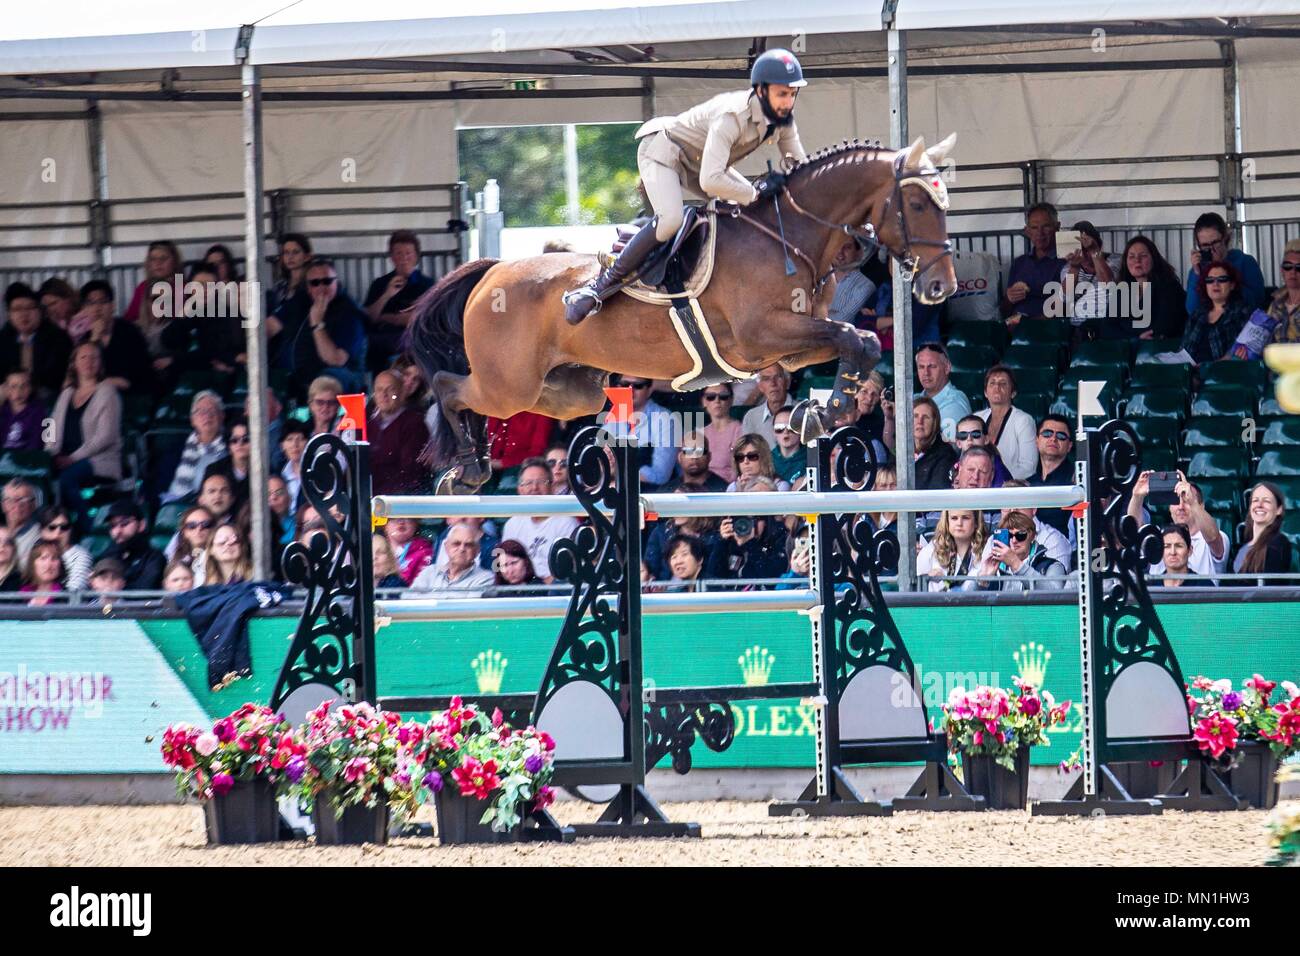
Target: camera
[743,527]
[1207,256]
[887,395]
[1161,492]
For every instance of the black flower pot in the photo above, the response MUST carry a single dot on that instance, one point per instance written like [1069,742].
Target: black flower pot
[247,813]
[1142,780]
[1254,777]
[1002,789]
[356,825]
[458,821]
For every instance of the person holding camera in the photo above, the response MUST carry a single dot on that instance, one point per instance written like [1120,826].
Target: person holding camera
[755,545]
[1212,236]
[1171,489]
[1016,561]
[1056,545]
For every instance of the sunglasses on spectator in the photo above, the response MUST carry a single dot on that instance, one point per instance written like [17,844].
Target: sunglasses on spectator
[781,429]
[638,386]
[1049,433]
[59,526]
[747,456]
[1286,267]
[556,462]
[963,436]
[239,439]
[1019,535]
[198,525]
[317,283]
[1216,280]
[694,451]
[726,396]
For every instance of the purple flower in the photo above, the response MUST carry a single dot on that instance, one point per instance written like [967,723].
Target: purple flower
[221,783]
[1231,700]
[533,763]
[295,768]
[433,780]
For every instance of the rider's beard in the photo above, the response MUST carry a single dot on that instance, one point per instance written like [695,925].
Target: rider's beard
[773,117]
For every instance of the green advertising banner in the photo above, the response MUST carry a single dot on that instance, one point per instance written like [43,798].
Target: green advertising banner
[159,675]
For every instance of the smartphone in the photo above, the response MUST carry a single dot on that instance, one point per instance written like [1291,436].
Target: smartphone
[1067,242]
[1161,492]
[1003,535]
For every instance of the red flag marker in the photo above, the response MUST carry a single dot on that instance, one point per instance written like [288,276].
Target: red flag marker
[620,412]
[354,414]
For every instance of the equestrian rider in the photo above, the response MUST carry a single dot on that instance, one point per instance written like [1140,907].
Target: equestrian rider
[696,152]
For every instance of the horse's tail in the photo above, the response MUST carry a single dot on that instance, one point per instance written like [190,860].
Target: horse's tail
[436,337]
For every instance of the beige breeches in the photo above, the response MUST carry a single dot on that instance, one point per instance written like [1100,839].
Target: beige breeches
[665,192]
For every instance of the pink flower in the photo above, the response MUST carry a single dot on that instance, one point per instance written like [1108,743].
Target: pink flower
[1216,734]
[1202,683]
[978,738]
[476,778]
[207,744]
[497,717]
[221,783]
[1030,706]
[355,769]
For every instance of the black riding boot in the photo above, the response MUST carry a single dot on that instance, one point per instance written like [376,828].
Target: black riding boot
[581,303]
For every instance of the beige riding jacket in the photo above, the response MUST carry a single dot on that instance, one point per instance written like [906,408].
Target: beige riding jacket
[705,142]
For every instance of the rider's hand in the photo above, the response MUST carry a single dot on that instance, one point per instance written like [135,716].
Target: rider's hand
[769,184]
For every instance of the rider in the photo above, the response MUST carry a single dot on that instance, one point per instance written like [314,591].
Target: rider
[696,152]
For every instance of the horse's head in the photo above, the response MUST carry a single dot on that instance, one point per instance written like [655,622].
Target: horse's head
[912,217]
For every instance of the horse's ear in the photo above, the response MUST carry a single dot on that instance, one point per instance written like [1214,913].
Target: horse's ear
[915,154]
[942,150]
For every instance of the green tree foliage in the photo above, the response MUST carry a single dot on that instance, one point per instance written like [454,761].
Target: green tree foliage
[528,163]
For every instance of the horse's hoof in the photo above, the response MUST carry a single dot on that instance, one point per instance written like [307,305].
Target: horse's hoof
[806,420]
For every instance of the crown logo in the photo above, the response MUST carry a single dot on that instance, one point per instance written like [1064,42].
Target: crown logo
[756,665]
[1031,661]
[489,668]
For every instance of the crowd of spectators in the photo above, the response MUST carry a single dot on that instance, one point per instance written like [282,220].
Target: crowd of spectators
[89,388]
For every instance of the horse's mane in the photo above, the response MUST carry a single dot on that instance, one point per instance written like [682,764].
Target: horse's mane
[822,156]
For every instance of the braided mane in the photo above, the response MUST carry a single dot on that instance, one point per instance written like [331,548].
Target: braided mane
[821,160]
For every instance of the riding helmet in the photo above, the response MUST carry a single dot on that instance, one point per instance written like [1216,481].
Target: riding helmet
[777,66]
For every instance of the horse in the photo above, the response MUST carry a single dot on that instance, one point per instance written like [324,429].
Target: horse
[491,338]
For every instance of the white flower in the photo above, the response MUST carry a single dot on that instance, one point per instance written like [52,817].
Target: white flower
[1221,686]
[1291,689]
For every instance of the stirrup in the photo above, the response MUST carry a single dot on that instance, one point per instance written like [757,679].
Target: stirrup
[587,291]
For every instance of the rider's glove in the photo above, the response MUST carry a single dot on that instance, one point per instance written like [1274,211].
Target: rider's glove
[769,184]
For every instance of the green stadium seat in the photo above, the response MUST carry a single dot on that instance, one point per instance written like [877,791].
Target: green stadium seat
[1019,357]
[1147,349]
[1157,404]
[96,544]
[1291,522]
[1223,499]
[1233,373]
[36,465]
[1279,462]
[1034,404]
[990,334]
[1156,433]
[738,411]
[1282,432]
[1270,408]
[1219,463]
[1103,352]
[160,541]
[1114,375]
[969,383]
[1041,332]
[1035,378]
[972,358]
[1067,403]
[1149,375]
[1213,433]
[1160,458]
[169,516]
[1228,402]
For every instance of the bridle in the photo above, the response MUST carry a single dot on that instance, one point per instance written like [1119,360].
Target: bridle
[927,178]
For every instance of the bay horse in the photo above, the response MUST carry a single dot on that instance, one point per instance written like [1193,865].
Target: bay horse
[491,337]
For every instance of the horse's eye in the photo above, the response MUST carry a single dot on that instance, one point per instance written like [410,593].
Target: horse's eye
[917,207]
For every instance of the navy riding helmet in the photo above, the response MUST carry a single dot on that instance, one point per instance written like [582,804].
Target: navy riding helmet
[777,66]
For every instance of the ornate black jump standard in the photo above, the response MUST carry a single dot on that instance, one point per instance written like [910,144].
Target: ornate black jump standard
[1134,704]
[871,711]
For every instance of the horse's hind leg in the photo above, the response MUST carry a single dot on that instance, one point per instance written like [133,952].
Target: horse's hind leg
[472,465]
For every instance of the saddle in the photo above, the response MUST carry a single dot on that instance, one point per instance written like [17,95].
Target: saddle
[675,274]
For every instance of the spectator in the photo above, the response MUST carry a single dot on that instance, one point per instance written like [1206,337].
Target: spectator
[391,296]
[87,439]
[228,559]
[1010,429]
[203,446]
[56,526]
[142,563]
[237,464]
[974,469]
[722,432]
[486,535]
[126,353]
[1055,467]
[293,442]
[295,251]
[516,439]
[212,337]
[774,385]
[1177,550]
[693,461]
[220,258]
[1213,328]
[43,572]
[871,417]
[323,403]
[558,458]
[107,577]
[21,417]
[932,373]
[1209,547]
[59,302]
[789,459]
[1021,565]
[537,535]
[512,565]
[384,564]
[274,428]
[702,529]
[417,392]
[972,433]
[413,552]
[217,495]
[853,290]
[162,266]
[192,537]
[1265,549]
[652,430]
[755,546]
[277,499]
[886,480]
[30,344]
[954,551]
[934,456]
[1087,272]
[11,574]
[1212,234]
[753,458]
[461,573]
[1163,313]
[1052,541]
[798,554]
[686,555]
[397,436]
[325,337]
[19,502]
[1284,309]
[178,578]
[1031,273]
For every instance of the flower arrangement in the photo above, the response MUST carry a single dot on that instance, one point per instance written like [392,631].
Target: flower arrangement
[1284,826]
[250,743]
[484,759]
[990,721]
[1223,717]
